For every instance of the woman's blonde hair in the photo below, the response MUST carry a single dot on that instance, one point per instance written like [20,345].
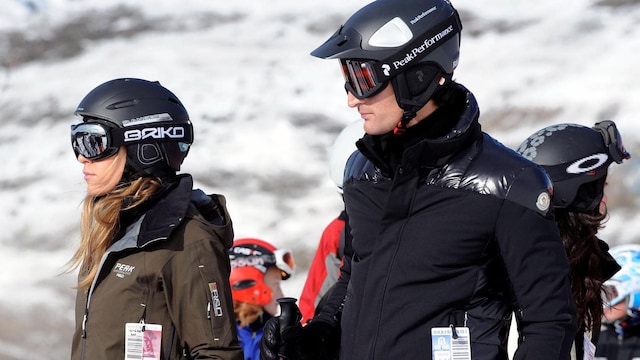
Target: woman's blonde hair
[246,313]
[100,223]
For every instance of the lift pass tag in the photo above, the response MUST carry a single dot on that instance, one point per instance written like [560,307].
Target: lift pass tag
[142,341]
[445,346]
[589,349]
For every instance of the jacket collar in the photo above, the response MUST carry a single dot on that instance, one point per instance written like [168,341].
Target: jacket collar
[430,143]
[168,213]
[159,218]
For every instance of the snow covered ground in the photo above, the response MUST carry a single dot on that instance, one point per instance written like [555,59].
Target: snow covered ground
[265,113]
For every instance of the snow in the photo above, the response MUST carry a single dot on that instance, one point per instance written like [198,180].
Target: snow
[265,114]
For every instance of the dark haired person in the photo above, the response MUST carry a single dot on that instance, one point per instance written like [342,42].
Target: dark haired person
[451,232]
[577,159]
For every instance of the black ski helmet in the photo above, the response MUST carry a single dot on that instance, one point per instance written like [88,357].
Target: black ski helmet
[146,106]
[576,158]
[412,43]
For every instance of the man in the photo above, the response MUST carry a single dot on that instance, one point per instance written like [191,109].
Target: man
[451,231]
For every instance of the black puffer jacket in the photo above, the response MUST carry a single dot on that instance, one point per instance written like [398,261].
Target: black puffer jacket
[449,227]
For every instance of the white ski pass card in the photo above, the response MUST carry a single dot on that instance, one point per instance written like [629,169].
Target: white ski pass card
[445,346]
[589,349]
[142,341]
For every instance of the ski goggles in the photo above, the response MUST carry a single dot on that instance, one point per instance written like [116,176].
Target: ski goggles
[280,258]
[612,140]
[360,78]
[96,140]
[284,261]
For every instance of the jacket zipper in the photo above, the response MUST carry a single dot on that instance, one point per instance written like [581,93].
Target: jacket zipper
[83,333]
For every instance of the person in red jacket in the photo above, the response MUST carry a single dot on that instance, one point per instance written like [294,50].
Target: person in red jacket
[325,266]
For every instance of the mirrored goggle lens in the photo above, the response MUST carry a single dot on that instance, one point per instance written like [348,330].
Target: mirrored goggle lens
[612,140]
[91,140]
[284,262]
[360,78]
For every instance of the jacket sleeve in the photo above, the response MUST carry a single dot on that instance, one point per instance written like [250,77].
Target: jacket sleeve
[199,296]
[537,266]
[324,269]
[332,310]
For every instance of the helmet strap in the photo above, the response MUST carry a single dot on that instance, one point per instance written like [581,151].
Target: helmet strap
[411,104]
[146,160]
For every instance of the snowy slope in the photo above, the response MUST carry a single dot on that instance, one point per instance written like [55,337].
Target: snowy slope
[265,113]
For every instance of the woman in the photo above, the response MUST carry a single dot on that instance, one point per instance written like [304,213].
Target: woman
[577,158]
[153,268]
[257,268]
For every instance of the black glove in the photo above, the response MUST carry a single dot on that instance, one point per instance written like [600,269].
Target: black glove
[317,340]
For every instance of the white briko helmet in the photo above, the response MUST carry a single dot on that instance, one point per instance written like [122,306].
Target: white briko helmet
[343,146]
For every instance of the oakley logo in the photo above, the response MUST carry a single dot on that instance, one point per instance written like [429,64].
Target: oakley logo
[154,133]
[587,164]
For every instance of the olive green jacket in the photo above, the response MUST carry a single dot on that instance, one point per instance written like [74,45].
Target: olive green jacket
[170,268]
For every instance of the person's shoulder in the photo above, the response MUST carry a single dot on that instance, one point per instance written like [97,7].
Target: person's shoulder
[358,167]
[198,228]
[522,181]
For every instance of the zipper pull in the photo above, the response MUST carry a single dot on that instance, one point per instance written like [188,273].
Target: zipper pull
[454,333]
[84,325]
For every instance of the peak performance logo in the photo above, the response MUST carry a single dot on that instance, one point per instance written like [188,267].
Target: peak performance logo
[419,17]
[159,133]
[428,43]
[385,69]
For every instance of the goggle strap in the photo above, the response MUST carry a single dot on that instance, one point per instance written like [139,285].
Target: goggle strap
[145,134]
[281,259]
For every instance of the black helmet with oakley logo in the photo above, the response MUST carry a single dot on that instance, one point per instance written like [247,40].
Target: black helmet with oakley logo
[412,43]
[142,115]
[576,158]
